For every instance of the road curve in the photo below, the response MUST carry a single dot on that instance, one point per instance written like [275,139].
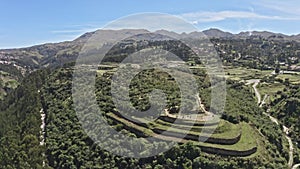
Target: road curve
[255,82]
[273,119]
[296,166]
[257,94]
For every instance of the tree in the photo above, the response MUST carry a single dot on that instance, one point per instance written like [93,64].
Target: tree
[277,69]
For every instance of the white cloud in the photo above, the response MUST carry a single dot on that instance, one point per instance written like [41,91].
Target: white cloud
[149,21]
[197,17]
[73,31]
[70,32]
[287,7]
[76,29]
[152,22]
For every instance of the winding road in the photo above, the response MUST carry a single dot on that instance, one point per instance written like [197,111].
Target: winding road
[255,82]
[296,166]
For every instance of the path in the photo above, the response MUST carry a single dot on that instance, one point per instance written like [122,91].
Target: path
[291,155]
[273,119]
[296,166]
[266,97]
[42,132]
[255,83]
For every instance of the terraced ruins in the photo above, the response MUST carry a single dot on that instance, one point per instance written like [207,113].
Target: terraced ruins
[39,115]
[228,139]
[221,137]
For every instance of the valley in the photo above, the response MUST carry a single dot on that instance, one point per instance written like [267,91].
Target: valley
[259,125]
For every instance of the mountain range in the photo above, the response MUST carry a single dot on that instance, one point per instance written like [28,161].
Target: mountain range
[39,127]
[21,61]
[30,58]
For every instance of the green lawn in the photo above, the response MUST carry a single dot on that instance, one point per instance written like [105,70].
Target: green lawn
[225,130]
[241,73]
[249,139]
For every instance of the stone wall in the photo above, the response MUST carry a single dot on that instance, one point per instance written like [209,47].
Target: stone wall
[212,140]
[185,122]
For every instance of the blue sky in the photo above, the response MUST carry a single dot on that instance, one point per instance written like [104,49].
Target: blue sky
[26,23]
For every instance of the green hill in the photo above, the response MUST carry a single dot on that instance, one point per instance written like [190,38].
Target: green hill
[68,146]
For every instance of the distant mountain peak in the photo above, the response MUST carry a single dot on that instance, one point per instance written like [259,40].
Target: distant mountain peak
[263,34]
[214,32]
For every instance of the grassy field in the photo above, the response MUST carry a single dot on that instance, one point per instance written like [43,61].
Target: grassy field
[270,89]
[248,140]
[293,78]
[106,68]
[194,128]
[241,73]
[7,81]
[225,130]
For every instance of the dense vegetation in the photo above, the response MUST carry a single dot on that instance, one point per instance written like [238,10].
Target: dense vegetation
[68,146]
[287,108]
[258,53]
[20,125]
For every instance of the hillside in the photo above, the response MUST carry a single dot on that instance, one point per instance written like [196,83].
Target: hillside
[39,127]
[67,145]
[262,50]
[287,108]
[32,58]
